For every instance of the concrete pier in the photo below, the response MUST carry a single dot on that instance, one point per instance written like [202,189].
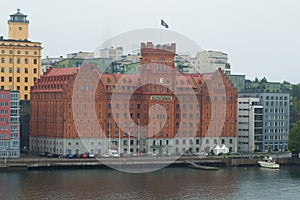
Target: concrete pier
[50,163]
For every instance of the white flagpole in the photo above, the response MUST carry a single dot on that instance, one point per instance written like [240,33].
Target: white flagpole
[129,142]
[160,32]
[109,133]
[139,129]
[119,141]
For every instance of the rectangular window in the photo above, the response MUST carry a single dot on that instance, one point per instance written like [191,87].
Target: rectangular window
[10,60]
[2,60]
[10,70]
[2,51]
[10,52]
[10,79]
[26,80]
[26,52]
[34,61]
[26,61]
[2,69]
[26,88]
[18,70]
[18,52]
[2,78]
[18,79]
[26,70]
[34,70]
[18,87]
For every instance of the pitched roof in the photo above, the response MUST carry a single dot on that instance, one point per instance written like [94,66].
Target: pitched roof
[18,14]
[61,71]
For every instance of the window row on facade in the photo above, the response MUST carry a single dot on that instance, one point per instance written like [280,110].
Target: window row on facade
[18,70]
[18,79]
[276,130]
[18,52]
[18,61]
[276,98]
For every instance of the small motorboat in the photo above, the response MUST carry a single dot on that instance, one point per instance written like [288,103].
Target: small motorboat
[268,162]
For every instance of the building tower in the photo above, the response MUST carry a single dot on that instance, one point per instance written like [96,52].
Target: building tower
[18,26]
[20,59]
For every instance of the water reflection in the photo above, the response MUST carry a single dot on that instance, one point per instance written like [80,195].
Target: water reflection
[169,183]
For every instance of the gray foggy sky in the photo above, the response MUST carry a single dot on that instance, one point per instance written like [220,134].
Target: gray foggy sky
[261,37]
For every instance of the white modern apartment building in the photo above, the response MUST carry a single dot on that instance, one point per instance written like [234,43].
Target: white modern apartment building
[250,124]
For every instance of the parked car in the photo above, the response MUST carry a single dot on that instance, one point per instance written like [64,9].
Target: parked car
[141,154]
[83,155]
[105,155]
[76,155]
[90,155]
[200,154]
[43,154]
[53,155]
[113,153]
[186,154]
[69,156]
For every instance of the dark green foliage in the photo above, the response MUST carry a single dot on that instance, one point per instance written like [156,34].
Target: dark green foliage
[294,138]
[24,123]
[295,109]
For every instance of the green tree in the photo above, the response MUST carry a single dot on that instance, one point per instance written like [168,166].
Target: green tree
[294,138]
[295,108]
[264,80]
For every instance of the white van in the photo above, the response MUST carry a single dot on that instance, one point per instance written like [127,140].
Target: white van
[113,153]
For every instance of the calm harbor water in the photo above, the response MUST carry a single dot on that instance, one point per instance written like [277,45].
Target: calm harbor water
[168,183]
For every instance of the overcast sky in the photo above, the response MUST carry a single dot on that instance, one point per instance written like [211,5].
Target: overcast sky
[261,37]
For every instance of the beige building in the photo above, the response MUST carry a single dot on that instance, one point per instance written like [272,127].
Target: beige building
[111,52]
[209,61]
[20,59]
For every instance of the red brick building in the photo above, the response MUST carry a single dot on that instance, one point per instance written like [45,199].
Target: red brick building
[78,109]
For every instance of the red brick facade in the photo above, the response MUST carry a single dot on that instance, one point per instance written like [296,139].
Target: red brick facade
[198,105]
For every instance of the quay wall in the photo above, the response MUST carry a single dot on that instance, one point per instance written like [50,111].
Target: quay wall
[49,163]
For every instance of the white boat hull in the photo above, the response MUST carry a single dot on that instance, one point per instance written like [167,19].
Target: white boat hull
[270,165]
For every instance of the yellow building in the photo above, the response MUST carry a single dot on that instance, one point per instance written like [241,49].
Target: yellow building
[20,59]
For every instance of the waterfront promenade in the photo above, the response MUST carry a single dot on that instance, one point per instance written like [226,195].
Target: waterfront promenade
[63,163]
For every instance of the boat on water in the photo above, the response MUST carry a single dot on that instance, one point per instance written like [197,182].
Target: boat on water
[268,162]
[202,167]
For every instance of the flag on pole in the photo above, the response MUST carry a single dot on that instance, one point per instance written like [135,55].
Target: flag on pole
[163,23]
